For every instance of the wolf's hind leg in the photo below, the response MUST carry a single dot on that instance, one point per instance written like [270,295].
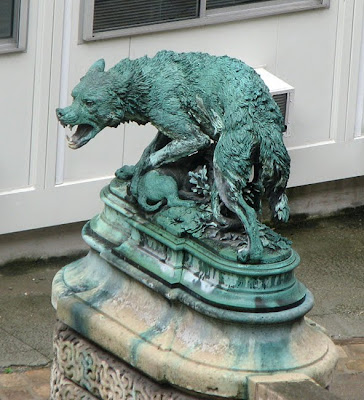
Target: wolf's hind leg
[225,222]
[248,217]
[230,190]
[216,205]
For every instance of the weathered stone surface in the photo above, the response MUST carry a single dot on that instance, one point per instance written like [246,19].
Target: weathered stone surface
[180,344]
[304,390]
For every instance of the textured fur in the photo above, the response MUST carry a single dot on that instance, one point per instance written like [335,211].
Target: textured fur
[194,100]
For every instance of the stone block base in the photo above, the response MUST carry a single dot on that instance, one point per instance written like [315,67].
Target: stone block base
[82,370]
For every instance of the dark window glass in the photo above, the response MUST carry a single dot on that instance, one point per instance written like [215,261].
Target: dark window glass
[119,14]
[6,18]
[211,4]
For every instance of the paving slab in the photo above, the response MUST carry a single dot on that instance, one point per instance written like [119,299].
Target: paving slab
[15,352]
[26,314]
[28,385]
[348,386]
[332,267]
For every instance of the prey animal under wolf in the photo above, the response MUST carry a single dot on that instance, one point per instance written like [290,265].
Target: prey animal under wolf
[195,100]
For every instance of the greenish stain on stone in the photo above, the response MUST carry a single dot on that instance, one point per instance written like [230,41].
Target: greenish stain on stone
[78,320]
[161,325]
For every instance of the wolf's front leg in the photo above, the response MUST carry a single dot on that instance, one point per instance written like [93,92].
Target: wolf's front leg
[179,148]
[185,136]
[176,150]
[144,165]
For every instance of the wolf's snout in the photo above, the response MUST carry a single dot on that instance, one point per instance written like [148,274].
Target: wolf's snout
[60,112]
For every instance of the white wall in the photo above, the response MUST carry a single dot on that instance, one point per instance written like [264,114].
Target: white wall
[43,183]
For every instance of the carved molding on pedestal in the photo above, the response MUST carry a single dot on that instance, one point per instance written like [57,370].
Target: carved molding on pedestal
[83,371]
[64,389]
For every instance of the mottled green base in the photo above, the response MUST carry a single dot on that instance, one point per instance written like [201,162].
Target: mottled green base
[204,267]
[185,314]
[172,342]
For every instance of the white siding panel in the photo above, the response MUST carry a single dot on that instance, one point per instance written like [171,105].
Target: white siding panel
[98,158]
[33,208]
[103,154]
[305,59]
[327,162]
[254,42]
[16,106]
[137,138]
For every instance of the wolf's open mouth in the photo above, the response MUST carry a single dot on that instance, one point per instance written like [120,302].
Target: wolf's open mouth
[83,134]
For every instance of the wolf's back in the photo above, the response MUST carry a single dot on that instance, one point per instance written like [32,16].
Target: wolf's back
[227,82]
[235,92]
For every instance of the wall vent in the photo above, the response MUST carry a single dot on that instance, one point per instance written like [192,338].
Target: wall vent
[282,93]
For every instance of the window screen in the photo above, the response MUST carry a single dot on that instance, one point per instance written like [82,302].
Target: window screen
[111,18]
[6,18]
[119,14]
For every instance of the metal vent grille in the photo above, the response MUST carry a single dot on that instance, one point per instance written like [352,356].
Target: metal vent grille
[118,14]
[281,100]
[211,4]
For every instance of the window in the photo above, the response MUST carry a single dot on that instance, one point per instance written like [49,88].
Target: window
[110,18]
[13,25]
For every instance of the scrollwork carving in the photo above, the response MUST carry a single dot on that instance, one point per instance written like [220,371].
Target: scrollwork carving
[83,371]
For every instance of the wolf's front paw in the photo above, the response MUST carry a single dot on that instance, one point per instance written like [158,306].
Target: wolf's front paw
[125,173]
[243,255]
[249,255]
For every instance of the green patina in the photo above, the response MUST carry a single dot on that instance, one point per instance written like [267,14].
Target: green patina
[218,149]
[182,280]
[201,264]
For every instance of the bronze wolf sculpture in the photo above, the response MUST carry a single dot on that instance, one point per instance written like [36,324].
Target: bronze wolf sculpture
[195,100]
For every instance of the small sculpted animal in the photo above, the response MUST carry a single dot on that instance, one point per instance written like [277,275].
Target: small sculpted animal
[156,188]
[194,100]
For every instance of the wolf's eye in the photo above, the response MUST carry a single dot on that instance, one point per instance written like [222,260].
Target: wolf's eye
[89,103]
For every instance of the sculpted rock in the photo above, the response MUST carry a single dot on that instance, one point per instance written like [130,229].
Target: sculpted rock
[215,107]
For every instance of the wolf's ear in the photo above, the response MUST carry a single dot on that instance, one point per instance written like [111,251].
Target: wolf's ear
[98,66]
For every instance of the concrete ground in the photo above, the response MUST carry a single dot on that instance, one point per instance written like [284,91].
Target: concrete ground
[332,267]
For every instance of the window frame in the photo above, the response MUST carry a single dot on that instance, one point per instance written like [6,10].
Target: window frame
[18,41]
[207,17]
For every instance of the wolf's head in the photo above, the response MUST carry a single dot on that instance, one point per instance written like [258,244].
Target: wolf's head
[96,105]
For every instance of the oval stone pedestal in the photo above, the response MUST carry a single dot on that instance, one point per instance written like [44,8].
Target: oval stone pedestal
[185,315]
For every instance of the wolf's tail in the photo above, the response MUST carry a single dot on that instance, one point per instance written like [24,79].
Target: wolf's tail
[142,200]
[275,163]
